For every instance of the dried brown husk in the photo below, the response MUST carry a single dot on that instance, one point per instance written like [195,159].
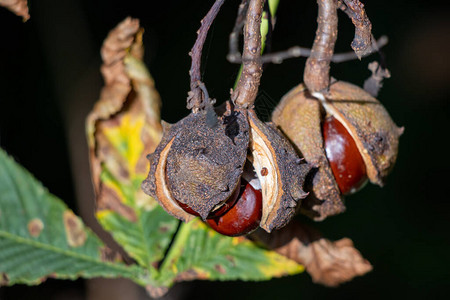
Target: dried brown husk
[284,175]
[198,163]
[299,116]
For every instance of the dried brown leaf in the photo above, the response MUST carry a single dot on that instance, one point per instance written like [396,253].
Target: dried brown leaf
[124,124]
[329,263]
[19,7]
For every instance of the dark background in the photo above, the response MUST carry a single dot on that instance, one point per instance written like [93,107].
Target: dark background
[49,80]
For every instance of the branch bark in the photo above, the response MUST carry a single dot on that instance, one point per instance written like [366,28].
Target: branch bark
[362,42]
[247,88]
[195,100]
[317,69]
[297,51]
[233,51]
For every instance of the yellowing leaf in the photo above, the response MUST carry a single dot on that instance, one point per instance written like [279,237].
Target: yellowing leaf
[201,253]
[123,127]
[126,139]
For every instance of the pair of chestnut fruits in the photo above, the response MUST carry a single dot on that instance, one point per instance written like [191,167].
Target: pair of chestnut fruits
[340,140]
[238,173]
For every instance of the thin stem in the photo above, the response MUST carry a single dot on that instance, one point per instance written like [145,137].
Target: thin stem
[317,69]
[297,51]
[362,41]
[195,100]
[234,56]
[247,88]
[233,51]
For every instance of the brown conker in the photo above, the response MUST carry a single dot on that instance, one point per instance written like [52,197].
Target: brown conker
[343,155]
[244,216]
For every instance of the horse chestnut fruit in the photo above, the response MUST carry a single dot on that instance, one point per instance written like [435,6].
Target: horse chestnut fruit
[200,159]
[244,216]
[346,133]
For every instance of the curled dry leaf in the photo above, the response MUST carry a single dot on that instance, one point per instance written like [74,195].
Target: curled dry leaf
[329,263]
[19,7]
[124,125]
[123,128]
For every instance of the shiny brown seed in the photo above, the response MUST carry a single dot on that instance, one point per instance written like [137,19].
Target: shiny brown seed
[345,160]
[244,216]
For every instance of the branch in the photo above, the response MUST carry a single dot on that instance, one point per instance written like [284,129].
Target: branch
[362,41]
[195,99]
[247,88]
[297,51]
[233,52]
[317,69]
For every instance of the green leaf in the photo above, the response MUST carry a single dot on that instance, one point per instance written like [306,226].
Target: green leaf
[144,238]
[201,253]
[41,237]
